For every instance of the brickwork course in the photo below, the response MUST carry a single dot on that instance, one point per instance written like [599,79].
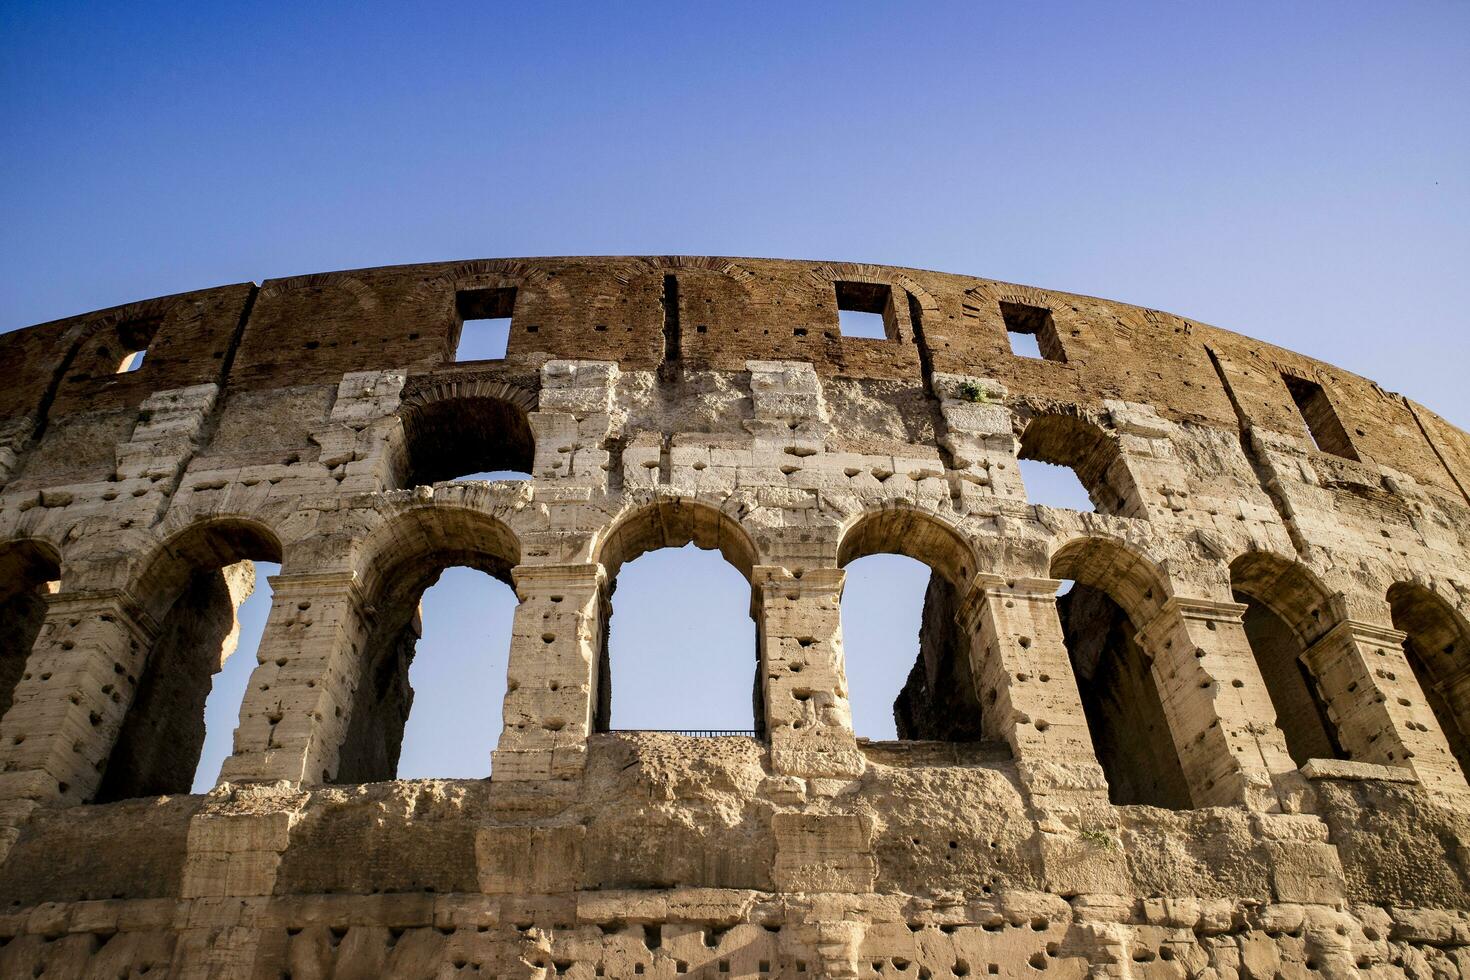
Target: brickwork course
[1235,748]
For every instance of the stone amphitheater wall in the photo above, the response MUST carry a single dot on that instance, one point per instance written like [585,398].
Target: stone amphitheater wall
[1235,748]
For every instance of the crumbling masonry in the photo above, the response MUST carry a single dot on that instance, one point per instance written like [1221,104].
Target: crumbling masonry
[1235,748]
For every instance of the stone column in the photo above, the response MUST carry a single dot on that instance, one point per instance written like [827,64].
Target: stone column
[802,677]
[1216,702]
[1379,709]
[1027,692]
[295,713]
[552,680]
[69,706]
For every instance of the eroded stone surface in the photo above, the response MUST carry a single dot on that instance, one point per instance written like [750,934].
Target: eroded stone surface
[1234,749]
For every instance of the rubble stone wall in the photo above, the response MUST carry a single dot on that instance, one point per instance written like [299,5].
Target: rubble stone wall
[1236,748]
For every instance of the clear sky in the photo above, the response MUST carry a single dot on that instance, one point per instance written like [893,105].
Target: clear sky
[1298,172]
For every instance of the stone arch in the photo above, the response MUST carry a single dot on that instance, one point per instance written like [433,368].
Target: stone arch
[188,590]
[1287,610]
[657,265]
[1093,454]
[209,542]
[411,544]
[30,569]
[1118,593]
[831,272]
[1437,645]
[360,291]
[672,522]
[1289,589]
[1107,563]
[459,426]
[990,293]
[436,294]
[905,530]
[939,700]
[398,561]
[668,522]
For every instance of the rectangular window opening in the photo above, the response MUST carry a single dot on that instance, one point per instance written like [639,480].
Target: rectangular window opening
[1324,428]
[1032,332]
[485,315]
[865,310]
[134,336]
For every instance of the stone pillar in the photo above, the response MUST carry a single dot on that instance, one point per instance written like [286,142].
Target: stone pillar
[803,681]
[1027,692]
[296,710]
[1379,709]
[1453,688]
[552,680]
[71,701]
[1216,702]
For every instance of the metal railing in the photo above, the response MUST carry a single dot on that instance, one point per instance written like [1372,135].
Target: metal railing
[693,732]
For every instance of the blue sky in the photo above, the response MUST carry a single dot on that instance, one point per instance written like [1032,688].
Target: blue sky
[1298,172]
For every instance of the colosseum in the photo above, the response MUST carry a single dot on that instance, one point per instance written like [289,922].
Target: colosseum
[1235,747]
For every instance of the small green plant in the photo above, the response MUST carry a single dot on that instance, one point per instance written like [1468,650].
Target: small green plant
[1099,839]
[971,392]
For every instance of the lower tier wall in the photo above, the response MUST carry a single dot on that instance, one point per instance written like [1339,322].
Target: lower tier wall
[676,856]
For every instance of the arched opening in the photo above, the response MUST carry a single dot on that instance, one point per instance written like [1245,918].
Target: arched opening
[1114,592]
[679,650]
[1437,647]
[228,687]
[192,589]
[439,645]
[905,576]
[1053,446]
[885,607]
[471,437]
[1284,615]
[1053,486]
[29,571]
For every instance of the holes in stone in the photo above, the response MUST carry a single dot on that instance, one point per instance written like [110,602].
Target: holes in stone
[1323,427]
[887,601]
[485,321]
[865,310]
[1120,697]
[1301,710]
[1032,332]
[441,646]
[679,643]
[179,727]
[468,437]
[132,338]
[1434,633]
[1099,478]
